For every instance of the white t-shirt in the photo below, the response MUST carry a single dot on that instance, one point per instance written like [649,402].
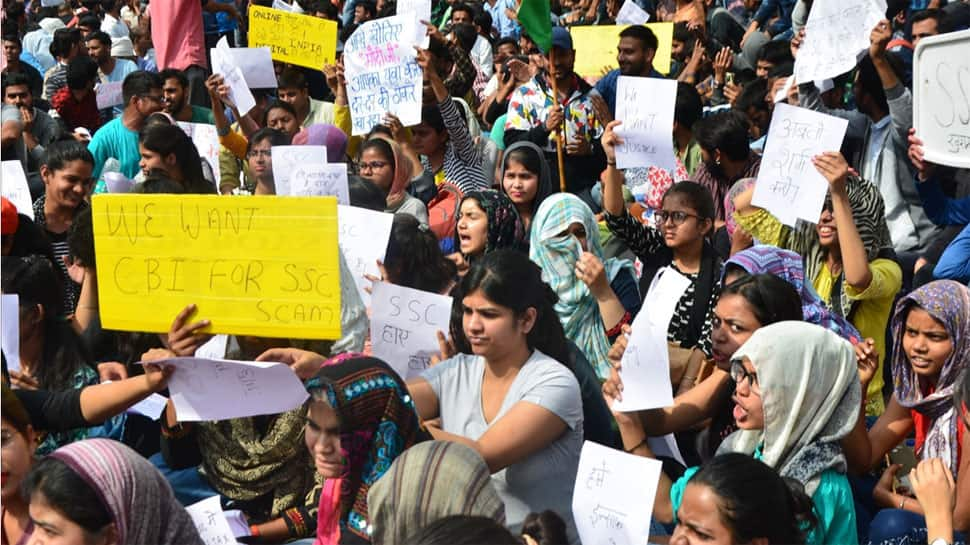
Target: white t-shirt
[113,27]
[545,479]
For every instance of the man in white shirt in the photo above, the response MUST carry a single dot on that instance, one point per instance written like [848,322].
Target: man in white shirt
[112,24]
[38,42]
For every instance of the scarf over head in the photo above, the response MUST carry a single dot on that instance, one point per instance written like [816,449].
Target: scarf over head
[545,186]
[557,255]
[949,303]
[378,422]
[811,396]
[140,500]
[787,265]
[402,171]
[324,134]
[505,228]
[431,481]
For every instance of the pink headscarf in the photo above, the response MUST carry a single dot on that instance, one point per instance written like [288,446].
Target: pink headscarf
[402,169]
[323,134]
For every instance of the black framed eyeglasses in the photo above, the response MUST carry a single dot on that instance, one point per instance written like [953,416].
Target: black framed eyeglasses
[676,216]
[739,373]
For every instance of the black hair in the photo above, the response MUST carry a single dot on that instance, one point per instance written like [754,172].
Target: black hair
[784,69]
[484,21]
[466,34]
[753,96]
[12,37]
[88,20]
[171,73]
[682,33]
[278,105]
[463,530]
[80,238]
[58,154]
[348,30]
[64,39]
[13,411]
[510,279]
[108,5]
[99,36]
[414,258]
[462,6]
[13,79]
[961,393]
[67,492]
[508,40]
[275,137]
[138,83]
[81,71]
[547,528]
[440,52]
[647,38]
[291,78]
[755,502]
[688,108]
[431,116]
[775,52]
[379,130]
[365,194]
[36,281]
[532,162]
[871,84]
[325,7]
[172,140]
[158,182]
[696,196]
[725,131]
[772,299]
[382,146]
[369,6]
[30,239]
[942,21]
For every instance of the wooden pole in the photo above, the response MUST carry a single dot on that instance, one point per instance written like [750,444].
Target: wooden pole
[560,132]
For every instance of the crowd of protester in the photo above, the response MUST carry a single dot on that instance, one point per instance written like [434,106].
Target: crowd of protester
[820,373]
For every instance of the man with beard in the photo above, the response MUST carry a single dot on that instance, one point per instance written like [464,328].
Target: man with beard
[39,129]
[175,88]
[726,156]
[634,56]
[537,116]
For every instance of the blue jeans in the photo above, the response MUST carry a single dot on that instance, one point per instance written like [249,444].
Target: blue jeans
[899,527]
[188,484]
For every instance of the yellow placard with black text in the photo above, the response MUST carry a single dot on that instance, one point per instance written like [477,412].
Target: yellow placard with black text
[297,39]
[254,265]
[596,47]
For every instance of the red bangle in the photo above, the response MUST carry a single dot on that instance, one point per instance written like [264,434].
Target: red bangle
[254,530]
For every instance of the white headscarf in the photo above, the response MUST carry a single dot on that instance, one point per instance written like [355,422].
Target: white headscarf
[811,395]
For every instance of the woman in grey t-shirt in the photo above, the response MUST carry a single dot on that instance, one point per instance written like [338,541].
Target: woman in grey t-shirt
[511,399]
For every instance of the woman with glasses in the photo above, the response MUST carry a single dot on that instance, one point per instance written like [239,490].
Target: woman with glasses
[259,158]
[384,163]
[564,241]
[796,395]
[680,242]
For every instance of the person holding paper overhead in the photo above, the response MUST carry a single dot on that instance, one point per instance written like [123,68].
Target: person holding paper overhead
[515,405]
[848,255]
[634,56]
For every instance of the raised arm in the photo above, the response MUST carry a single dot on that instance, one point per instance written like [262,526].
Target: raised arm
[855,261]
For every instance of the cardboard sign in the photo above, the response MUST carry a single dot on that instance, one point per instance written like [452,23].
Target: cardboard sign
[596,47]
[297,39]
[941,98]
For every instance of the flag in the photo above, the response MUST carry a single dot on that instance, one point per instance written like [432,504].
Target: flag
[534,16]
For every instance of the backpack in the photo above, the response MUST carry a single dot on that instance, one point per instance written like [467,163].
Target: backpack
[443,211]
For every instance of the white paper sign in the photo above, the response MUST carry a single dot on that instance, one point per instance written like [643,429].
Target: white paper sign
[836,32]
[418,10]
[14,187]
[404,325]
[613,496]
[10,330]
[319,180]
[789,186]
[285,6]
[152,406]
[210,521]
[218,389]
[645,367]
[239,94]
[288,161]
[206,140]
[382,73]
[363,241]
[214,349]
[256,63]
[782,93]
[631,14]
[109,94]
[941,98]
[646,108]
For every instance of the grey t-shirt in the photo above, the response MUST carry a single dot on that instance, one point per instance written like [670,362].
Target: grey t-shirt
[413,206]
[545,479]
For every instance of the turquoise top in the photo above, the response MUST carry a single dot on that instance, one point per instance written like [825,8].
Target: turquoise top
[834,507]
[115,140]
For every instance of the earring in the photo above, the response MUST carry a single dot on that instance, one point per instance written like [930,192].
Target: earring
[718,162]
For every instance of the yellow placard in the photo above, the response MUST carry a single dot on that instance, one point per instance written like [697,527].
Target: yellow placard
[297,39]
[596,47]
[262,266]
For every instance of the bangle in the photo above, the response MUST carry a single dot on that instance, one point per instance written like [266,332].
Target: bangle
[611,163]
[254,530]
[902,503]
[635,447]
[223,132]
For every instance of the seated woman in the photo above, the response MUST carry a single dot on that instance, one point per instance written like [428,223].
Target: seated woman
[360,418]
[797,393]
[526,179]
[383,162]
[414,258]
[848,255]
[735,498]
[427,482]
[487,221]
[565,242]
[100,491]
[167,148]
[931,348]
[518,408]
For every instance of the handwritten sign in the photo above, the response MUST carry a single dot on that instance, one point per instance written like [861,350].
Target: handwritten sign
[152,406]
[218,389]
[206,140]
[404,325]
[613,496]
[297,39]
[382,73]
[788,184]
[255,62]
[211,522]
[265,266]
[14,187]
[941,98]
[835,33]
[239,94]
[109,94]
[631,14]
[419,10]
[10,330]
[319,180]
[597,47]
[363,240]
[646,108]
[645,367]
[298,166]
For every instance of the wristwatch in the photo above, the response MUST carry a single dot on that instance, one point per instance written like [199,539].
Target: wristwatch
[940,541]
